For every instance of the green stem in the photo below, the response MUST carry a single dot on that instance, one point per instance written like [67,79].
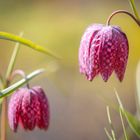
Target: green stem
[7,91]
[4,103]
[130,134]
[12,61]
[20,73]
[110,123]
[124,129]
[12,37]
[2,82]
[108,134]
[133,6]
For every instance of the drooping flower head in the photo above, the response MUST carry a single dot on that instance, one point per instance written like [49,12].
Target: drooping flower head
[102,50]
[30,108]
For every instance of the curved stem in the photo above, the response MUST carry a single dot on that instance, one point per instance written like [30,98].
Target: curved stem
[15,38]
[132,4]
[21,73]
[7,91]
[124,12]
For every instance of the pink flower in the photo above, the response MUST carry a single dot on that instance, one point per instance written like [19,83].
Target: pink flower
[30,108]
[102,50]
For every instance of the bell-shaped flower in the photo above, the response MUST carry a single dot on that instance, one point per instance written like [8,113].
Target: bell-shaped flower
[30,108]
[103,49]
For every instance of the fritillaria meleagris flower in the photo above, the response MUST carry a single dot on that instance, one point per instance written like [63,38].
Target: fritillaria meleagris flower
[103,49]
[30,108]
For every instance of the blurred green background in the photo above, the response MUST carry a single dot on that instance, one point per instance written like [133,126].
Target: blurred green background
[78,109]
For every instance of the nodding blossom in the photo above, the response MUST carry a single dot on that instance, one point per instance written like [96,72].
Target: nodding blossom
[103,49]
[29,108]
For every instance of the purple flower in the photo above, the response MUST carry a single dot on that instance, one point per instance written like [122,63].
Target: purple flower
[30,108]
[102,50]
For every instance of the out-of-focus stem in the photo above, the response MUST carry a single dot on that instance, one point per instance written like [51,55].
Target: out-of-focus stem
[130,134]
[12,61]
[20,73]
[4,103]
[133,6]
[11,88]
[129,131]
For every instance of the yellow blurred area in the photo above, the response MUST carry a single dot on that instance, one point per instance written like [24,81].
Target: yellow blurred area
[78,110]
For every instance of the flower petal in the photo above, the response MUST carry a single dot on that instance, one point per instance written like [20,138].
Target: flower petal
[43,115]
[107,52]
[14,109]
[28,111]
[84,50]
[122,55]
[93,66]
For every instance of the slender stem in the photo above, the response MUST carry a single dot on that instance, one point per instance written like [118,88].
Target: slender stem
[108,134]
[12,61]
[10,89]
[1,82]
[124,12]
[132,4]
[130,134]
[124,129]
[21,73]
[12,37]
[110,122]
[4,103]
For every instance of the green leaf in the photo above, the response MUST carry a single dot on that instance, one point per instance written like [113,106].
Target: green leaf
[20,83]
[15,38]
[133,122]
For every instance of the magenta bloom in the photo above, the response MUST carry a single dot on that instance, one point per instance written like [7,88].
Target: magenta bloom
[102,50]
[30,108]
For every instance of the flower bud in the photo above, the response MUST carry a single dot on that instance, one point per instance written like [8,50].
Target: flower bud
[102,50]
[30,108]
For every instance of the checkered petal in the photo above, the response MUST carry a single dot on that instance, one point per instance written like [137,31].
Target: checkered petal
[30,108]
[14,109]
[86,50]
[122,54]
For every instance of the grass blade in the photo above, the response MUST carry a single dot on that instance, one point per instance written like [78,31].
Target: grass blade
[15,38]
[133,122]
[108,135]
[110,123]
[20,83]
[124,130]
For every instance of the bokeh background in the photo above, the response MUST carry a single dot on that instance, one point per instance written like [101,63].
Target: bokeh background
[78,107]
